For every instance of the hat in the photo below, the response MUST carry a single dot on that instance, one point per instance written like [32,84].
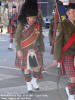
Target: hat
[70,6]
[31,8]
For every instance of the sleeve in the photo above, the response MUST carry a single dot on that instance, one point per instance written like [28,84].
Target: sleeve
[41,42]
[18,36]
[42,48]
[59,41]
[51,30]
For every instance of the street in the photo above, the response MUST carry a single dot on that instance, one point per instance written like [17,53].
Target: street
[12,84]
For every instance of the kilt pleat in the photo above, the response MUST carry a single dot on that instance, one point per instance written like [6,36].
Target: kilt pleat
[68,65]
[21,62]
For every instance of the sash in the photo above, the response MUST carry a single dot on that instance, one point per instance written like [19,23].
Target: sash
[14,20]
[69,43]
[32,38]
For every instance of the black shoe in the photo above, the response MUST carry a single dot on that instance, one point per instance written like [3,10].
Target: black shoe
[10,49]
[37,89]
[30,92]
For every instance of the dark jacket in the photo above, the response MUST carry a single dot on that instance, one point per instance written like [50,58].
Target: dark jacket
[64,32]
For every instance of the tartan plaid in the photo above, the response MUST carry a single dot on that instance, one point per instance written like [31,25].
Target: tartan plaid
[22,62]
[36,74]
[68,66]
[12,35]
[71,88]
[27,77]
[27,31]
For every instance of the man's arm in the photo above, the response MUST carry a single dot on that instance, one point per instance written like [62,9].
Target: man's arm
[58,43]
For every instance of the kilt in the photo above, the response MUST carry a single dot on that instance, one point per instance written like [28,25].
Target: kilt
[68,66]
[12,35]
[11,29]
[22,62]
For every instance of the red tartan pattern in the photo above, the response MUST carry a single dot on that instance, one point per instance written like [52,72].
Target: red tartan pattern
[12,35]
[26,32]
[71,88]
[11,29]
[68,65]
[22,62]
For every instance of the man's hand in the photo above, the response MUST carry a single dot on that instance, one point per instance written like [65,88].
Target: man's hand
[19,53]
[55,62]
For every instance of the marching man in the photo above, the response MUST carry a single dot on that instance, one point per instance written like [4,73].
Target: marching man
[64,48]
[12,26]
[29,44]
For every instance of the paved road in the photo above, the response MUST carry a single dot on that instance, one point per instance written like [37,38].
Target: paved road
[12,84]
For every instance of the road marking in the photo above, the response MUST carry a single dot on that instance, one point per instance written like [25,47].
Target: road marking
[44,86]
[3,40]
[5,67]
[7,76]
[49,73]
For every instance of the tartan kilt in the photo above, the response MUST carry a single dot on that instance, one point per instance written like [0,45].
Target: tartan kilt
[22,62]
[11,29]
[12,35]
[68,66]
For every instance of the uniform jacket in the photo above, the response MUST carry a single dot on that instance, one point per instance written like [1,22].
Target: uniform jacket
[64,32]
[19,37]
[51,30]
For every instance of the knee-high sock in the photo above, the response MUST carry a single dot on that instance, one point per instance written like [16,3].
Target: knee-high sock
[27,77]
[71,88]
[36,74]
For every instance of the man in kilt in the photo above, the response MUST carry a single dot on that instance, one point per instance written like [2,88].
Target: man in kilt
[64,49]
[29,44]
[51,30]
[12,26]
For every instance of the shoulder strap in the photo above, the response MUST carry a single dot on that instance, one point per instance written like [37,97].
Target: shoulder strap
[33,37]
[69,43]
